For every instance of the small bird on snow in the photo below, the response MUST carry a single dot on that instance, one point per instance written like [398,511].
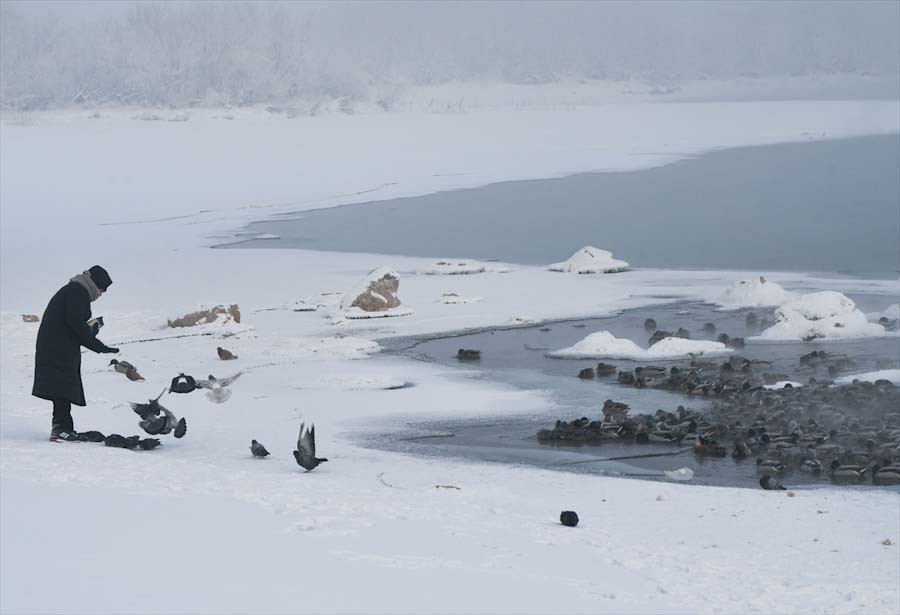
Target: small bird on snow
[258,449]
[182,384]
[225,355]
[148,444]
[124,367]
[306,449]
[216,388]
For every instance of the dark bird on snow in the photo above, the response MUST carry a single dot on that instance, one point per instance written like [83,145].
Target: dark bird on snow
[770,484]
[182,384]
[91,436]
[216,389]
[258,450]
[117,441]
[306,449]
[124,367]
[148,444]
[225,355]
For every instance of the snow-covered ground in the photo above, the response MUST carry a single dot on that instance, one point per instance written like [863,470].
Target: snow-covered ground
[222,532]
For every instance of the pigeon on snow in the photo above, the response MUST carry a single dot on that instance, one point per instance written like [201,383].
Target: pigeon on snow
[225,355]
[306,449]
[258,449]
[216,389]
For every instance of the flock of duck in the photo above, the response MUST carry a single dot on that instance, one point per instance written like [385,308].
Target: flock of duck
[849,434]
[156,419]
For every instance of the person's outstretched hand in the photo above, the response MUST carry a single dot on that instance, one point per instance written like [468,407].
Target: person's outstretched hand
[111,350]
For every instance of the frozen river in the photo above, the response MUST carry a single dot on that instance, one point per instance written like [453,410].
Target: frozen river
[817,206]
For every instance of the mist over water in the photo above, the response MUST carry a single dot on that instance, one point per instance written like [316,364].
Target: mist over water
[819,206]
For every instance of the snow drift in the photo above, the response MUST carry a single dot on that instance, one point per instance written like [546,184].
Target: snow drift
[823,315]
[891,375]
[756,292]
[590,260]
[604,345]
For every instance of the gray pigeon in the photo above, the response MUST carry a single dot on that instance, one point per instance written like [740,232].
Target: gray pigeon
[151,408]
[258,449]
[216,390]
[306,449]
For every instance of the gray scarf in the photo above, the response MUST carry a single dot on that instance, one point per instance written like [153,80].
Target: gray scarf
[85,280]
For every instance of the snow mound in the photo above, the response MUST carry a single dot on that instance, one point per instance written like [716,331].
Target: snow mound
[604,345]
[823,315]
[590,260]
[891,313]
[781,384]
[892,375]
[461,267]
[454,299]
[757,292]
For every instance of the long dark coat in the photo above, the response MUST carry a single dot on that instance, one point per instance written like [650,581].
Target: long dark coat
[64,330]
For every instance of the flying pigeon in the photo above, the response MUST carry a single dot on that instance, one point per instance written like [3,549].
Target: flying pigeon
[124,367]
[216,388]
[306,449]
[151,408]
[258,449]
[225,355]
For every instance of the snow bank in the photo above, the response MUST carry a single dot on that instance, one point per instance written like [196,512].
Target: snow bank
[892,375]
[590,260]
[891,313]
[783,383]
[449,266]
[756,292]
[823,315]
[604,345]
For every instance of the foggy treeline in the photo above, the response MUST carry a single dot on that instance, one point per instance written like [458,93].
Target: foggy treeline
[182,53]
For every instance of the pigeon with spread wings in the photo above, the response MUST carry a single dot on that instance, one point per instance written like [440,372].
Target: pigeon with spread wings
[216,388]
[306,449]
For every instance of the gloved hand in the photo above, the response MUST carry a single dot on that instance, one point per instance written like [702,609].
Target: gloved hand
[111,350]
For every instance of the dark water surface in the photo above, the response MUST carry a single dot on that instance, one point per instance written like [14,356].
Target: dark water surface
[517,357]
[817,206]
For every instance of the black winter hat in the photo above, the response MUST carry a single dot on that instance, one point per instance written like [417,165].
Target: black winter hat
[100,277]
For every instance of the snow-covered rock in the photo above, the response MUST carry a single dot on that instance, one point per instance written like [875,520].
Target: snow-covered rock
[891,313]
[892,375]
[604,345]
[375,296]
[782,384]
[823,315]
[756,292]
[590,260]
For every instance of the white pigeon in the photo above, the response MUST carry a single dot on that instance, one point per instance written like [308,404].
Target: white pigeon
[216,388]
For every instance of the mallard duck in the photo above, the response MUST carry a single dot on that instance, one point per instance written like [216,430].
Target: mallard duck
[769,466]
[811,466]
[846,473]
[888,475]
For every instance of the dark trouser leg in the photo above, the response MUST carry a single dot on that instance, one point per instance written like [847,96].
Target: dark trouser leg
[62,415]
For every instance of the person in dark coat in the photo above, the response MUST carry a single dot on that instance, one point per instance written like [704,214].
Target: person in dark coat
[64,330]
